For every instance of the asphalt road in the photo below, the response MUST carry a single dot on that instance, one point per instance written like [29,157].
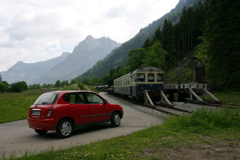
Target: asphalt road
[17,138]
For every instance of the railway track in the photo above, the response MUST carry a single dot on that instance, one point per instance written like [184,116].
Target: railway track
[160,108]
[180,108]
[209,103]
[172,111]
[216,104]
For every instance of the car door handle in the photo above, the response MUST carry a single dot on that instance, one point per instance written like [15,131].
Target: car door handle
[93,107]
[72,107]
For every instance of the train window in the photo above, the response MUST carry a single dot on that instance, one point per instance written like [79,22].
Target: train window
[140,77]
[150,77]
[118,83]
[159,77]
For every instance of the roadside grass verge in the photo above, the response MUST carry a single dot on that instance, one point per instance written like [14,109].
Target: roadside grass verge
[202,128]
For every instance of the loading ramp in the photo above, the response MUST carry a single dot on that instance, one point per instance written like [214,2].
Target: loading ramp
[164,100]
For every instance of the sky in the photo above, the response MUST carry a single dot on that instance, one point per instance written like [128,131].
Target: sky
[38,30]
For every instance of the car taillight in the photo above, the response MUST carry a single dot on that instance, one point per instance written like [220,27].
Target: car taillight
[50,111]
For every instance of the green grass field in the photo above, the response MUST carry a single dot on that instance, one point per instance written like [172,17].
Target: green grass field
[232,97]
[14,106]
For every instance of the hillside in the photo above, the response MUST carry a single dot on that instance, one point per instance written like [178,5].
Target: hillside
[118,57]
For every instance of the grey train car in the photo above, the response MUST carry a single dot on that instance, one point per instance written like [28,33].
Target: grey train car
[133,84]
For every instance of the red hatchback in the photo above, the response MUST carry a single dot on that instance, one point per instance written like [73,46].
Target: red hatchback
[64,111]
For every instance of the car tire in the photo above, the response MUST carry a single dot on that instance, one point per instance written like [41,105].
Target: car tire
[42,132]
[115,119]
[64,128]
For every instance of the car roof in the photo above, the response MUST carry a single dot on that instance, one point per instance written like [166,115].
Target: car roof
[71,91]
[68,91]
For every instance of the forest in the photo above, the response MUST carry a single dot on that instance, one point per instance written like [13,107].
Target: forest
[208,31]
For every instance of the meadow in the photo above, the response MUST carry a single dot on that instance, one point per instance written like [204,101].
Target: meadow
[14,106]
[230,97]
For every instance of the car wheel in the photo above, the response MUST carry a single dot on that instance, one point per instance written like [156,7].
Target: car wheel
[115,119]
[64,128]
[41,131]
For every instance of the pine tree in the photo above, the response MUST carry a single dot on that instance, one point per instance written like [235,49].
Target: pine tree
[223,39]
[168,41]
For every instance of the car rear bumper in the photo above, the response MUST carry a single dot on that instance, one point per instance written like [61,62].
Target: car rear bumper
[42,124]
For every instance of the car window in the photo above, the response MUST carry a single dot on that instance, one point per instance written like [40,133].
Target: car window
[94,99]
[80,99]
[46,98]
[75,98]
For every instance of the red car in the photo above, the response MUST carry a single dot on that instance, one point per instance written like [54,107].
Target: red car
[64,111]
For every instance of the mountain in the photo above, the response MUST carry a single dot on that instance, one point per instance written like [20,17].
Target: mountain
[31,72]
[118,57]
[65,67]
[83,57]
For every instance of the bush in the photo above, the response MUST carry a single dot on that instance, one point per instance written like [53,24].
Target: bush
[3,87]
[19,87]
[81,86]
[70,87]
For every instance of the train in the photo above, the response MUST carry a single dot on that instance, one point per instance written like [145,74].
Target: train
[147,84]
[134,83]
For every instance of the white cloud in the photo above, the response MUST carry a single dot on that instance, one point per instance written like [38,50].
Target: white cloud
[33,31]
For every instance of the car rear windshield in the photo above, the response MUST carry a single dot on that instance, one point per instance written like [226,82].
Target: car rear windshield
[46,98]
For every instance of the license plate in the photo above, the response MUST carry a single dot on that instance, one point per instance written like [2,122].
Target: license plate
[36,112]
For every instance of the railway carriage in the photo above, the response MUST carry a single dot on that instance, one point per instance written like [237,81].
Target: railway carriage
[123,85]
[133,84]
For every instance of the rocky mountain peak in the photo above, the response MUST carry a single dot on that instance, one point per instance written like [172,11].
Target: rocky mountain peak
[86,54]
[65,54]
[89,37]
